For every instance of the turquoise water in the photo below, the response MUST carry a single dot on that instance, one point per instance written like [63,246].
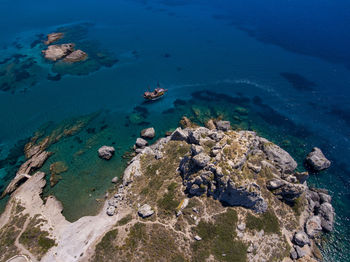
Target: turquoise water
[270,58]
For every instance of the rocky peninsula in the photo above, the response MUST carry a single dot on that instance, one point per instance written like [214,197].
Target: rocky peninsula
[198,194]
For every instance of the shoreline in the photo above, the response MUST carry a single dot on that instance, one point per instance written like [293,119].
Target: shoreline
[77,240]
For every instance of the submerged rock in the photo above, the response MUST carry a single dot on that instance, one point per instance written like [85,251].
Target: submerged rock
[316,160]
[53,37]
[210,124]
[223,125]
[75,56]
[145,211]
[106,152]
[56,169]
[148,133]
[57,52]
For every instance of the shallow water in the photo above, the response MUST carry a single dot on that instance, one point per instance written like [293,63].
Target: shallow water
[292,78]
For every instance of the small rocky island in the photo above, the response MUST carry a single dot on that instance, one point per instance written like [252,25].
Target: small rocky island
[198,194]
[65,52]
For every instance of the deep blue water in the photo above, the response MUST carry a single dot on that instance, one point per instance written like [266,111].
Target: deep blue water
[289,59]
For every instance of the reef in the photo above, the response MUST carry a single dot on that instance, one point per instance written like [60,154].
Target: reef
[67,51]
[198,193]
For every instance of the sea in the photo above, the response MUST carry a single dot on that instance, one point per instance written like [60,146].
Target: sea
[280,68]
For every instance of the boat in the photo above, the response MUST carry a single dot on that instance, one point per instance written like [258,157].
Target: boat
[156,94]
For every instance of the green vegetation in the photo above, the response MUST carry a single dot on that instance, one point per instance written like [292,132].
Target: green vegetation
[169,203]
[144,243]
[36,240]
[266,221]
[299,204]
[10,231]
[218,238]
[125,220]
[105,249]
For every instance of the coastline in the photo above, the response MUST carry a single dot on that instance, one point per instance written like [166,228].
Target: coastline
[78,240]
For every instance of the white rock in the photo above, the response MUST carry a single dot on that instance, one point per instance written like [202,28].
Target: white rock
[106,152]
[145,211]
[110,210]
[148,133]
[198,238]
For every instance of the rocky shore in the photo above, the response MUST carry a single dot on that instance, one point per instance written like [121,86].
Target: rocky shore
[176,192]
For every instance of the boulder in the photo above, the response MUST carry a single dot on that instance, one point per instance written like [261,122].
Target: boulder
[57,52]
[216,135]
[195,136]
[201,160]
[223,125]
[293,254]
[115,180]
[279,156]
[325,197]
[110,210]
[196,190]
[53,37]
[195,149]
[241,226]
[113,202]
[316,160]
[198,238]
[141,143]
[287,191]
[301,176]
[186,123]
[300,252]
[250,249]
[247,196]
[145,211]
[313,226]
[179,135]
[210,124]
[75,56]
[326,213]
[275,184]
[148,133]
[106,152]
[301,239]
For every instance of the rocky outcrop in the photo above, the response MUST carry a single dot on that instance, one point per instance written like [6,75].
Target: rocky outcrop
[27,168]
[145,211]
[53,37]
[75,56]
[313,226]
[237,168]
[202,174]
[301,239]
[278,156]
[285,190]
[179,135]
[148,133]
[316,160]
[57,52]
[322,212]
[326,213]
[106,152]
